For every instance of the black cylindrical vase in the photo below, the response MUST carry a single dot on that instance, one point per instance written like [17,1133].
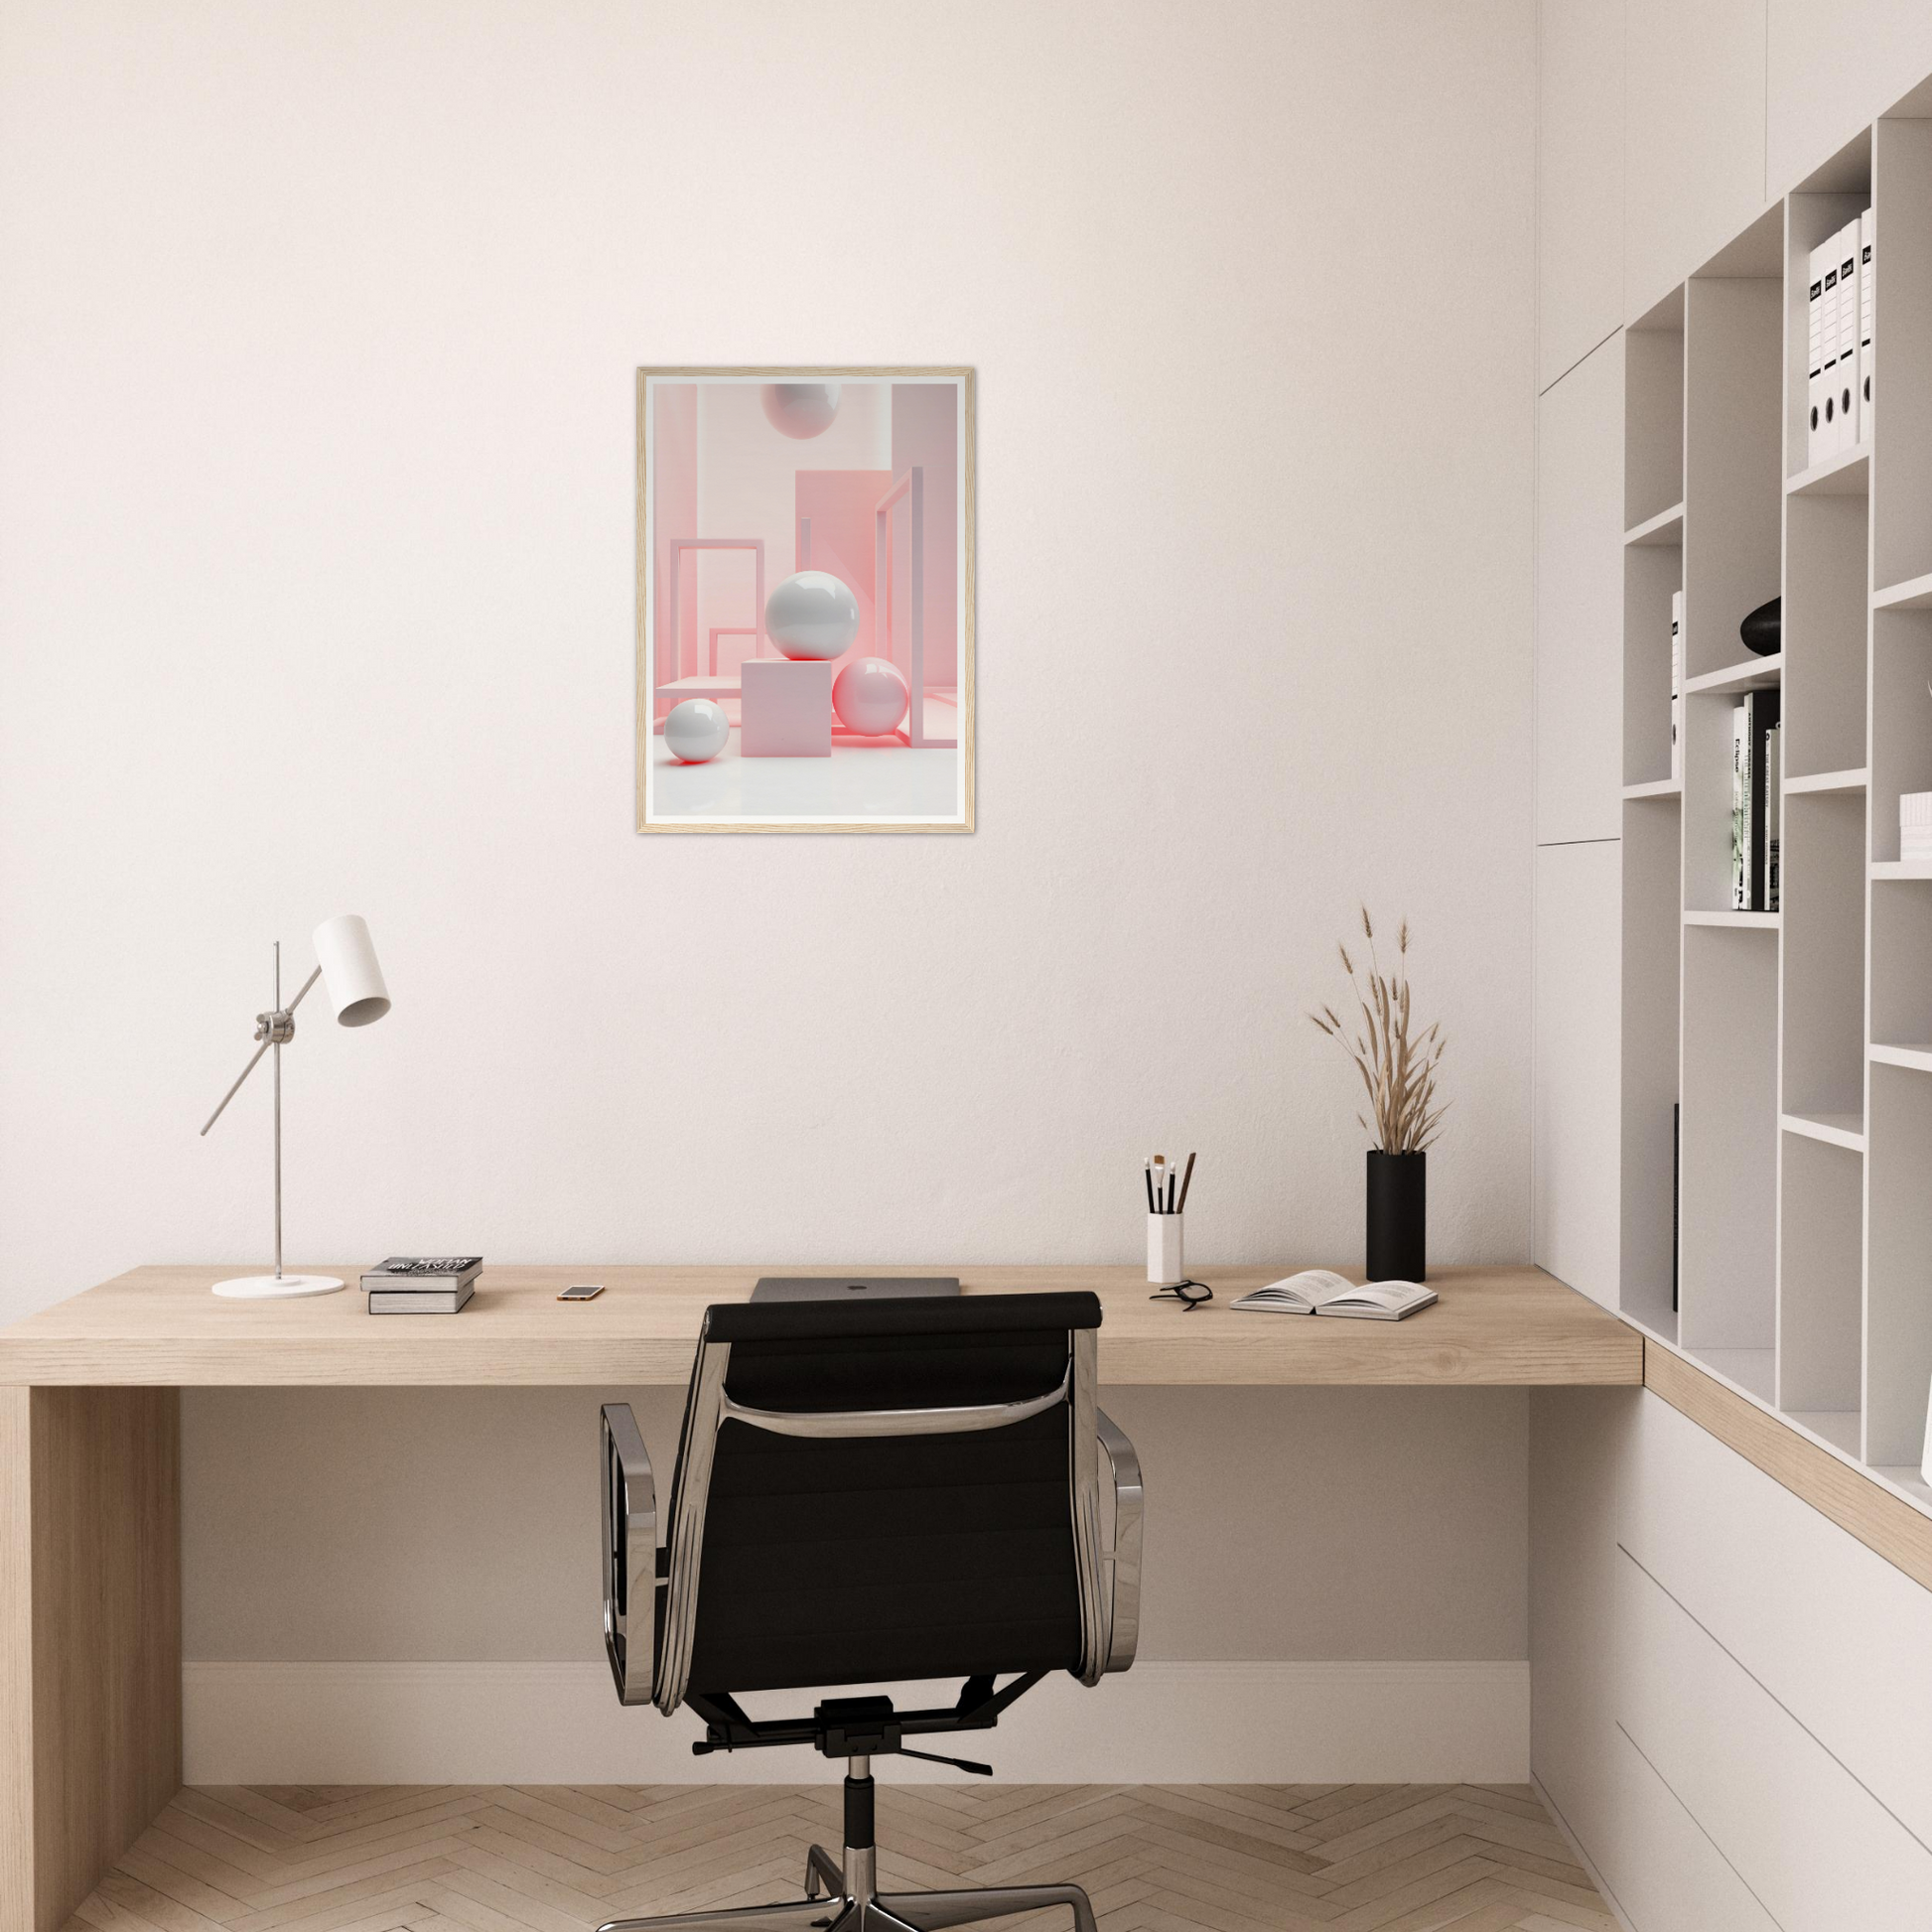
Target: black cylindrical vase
[1397,1216]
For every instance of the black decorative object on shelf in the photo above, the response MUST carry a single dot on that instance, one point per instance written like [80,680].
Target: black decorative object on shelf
[1397,1216]
[1763,630]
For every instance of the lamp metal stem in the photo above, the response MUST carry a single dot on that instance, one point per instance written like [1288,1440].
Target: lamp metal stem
[278,1115]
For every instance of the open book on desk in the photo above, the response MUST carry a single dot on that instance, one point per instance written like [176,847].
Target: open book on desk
[1321,1291]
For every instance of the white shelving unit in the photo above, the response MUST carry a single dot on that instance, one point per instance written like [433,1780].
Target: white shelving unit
[1797,1043]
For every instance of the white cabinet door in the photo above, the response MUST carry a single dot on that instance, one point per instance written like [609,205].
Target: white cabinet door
[1818,1851]
[1580,602]
[1833,66]
[1574,1200]
[1693,137]
[1578,180]
[1782,1587]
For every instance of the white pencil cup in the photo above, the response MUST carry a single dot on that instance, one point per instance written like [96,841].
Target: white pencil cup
[1163,1249]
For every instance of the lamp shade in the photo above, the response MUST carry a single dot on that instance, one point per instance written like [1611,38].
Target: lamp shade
[349,975]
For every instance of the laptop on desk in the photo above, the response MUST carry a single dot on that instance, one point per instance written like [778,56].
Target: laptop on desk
[851,1288]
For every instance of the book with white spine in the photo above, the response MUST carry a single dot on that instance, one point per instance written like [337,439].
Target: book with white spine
[1814,358]
[1867,301]
[1741,810]
[1676,687]
[1847,336]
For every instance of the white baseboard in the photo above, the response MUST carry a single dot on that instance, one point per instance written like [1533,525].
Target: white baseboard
[561,1723]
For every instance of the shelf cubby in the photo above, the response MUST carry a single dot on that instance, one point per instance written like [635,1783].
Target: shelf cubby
[1653,573]
[1653,435]
[1826,612]
[1652,952]
[1813,214]
[1730,1084]
[1901,719]
[1733,479]
[1901,401]
[1899,1311]
[1823,921]
[1821,1257]
[1901,963]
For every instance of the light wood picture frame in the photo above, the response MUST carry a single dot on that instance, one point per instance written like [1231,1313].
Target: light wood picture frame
[806,567]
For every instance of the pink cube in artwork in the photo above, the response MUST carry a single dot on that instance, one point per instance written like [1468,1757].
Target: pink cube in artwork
[786,709]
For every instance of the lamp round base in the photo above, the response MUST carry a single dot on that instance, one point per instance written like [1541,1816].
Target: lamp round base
[276,1288]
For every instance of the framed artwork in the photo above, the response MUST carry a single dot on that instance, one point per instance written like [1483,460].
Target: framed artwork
[804,600]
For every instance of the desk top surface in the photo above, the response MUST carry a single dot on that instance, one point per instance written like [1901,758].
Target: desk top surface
[160,1327]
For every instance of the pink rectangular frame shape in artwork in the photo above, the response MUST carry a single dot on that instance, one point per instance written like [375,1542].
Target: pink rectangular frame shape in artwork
[786,709]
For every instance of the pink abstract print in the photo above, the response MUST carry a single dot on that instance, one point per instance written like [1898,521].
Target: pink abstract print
[805,538]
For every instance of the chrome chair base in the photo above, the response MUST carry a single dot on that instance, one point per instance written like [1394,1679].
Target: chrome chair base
[858,1908]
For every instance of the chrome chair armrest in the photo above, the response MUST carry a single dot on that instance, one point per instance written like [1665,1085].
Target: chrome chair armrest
[629,1554]
[1124,1559]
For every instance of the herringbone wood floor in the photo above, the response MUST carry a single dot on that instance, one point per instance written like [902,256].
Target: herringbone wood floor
[561,1857]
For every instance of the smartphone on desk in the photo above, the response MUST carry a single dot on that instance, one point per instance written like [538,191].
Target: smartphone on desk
[582,1292]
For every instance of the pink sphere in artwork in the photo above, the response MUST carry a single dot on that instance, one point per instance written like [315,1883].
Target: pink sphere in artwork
[870,696]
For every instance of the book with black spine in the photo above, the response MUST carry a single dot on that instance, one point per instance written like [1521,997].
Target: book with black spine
[1773,813]
[1761,717]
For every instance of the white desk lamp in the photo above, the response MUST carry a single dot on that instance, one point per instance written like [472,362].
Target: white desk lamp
[353,981]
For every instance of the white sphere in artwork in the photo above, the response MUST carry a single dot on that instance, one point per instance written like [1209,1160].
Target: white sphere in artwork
[811,615]
[696,729]
[870,696]
[800,409]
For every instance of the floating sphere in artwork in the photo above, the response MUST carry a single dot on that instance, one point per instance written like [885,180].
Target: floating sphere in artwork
[811,615]
[696,729]
[800,409]
[870,696]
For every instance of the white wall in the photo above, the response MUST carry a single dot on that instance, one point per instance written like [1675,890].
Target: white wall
[317,341]
[316,489]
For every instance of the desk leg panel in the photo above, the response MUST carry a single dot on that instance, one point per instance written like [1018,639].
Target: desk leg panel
[90,1637]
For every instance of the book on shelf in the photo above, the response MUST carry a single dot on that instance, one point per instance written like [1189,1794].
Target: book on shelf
[1867,301]
[1761,719]
[423,1274]
[419,1301]
[1773,812]
[1915,825]
[1741,810]
[1677,686]
[1847,336]
[1321,1291]
[1815,358]
[1752,721]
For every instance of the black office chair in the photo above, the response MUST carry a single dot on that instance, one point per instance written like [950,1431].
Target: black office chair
[866,1494]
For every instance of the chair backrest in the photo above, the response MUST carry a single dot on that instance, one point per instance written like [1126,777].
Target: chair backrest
[885,1491]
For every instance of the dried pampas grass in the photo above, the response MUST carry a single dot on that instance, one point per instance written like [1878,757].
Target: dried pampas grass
[1398,1072]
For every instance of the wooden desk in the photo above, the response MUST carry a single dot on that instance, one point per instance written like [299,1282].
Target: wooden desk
[161,1327]
[89,1461]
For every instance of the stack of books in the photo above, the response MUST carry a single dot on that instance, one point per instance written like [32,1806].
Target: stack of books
[422,1284]
[1838,326]
[1915,826]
